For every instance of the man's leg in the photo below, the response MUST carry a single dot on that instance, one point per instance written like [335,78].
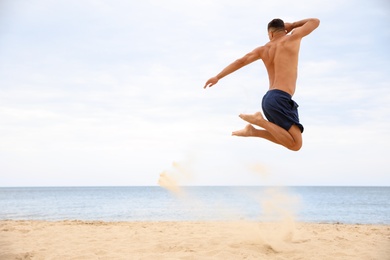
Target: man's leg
[250,131]
[291,139]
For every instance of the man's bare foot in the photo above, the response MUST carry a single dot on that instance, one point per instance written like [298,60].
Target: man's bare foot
[255,119]
[249,130]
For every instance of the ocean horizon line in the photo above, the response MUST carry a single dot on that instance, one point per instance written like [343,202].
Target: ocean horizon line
[194,186]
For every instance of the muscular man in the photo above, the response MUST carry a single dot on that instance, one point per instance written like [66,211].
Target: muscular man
[280,57]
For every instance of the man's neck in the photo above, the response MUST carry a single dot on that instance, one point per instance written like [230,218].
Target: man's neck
[278,35]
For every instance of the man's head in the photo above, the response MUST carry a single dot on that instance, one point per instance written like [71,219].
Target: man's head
[275,26]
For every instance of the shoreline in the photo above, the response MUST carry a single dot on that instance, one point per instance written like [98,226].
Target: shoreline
[37,239]
[97,221]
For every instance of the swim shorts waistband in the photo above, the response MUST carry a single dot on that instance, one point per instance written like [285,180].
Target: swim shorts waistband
[284,93]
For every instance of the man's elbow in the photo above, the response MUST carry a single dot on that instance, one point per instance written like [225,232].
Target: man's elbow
[316,22]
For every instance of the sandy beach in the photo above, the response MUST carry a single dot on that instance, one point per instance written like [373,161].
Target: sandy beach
[191,240]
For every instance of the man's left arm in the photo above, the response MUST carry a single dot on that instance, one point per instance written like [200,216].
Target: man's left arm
[305,26]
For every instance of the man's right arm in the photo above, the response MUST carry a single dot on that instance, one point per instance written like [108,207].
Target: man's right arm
[236,65]
[303,27]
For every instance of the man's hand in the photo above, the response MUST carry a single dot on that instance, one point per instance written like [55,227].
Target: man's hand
[288,27]
[212,81]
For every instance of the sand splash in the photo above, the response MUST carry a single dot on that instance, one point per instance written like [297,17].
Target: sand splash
[278,207]
[178,173]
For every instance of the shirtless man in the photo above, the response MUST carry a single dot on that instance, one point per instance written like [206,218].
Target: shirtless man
[280,57]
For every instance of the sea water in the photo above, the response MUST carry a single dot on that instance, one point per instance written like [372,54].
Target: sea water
[365,205]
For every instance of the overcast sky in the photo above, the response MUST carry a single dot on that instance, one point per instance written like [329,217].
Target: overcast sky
[111,93]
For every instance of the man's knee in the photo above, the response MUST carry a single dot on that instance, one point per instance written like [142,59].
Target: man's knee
[296,143]
[296,147]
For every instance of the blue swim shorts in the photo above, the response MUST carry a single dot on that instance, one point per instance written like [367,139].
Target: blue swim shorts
[280,109]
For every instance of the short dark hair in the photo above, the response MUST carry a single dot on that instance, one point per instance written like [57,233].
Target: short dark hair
[276,25]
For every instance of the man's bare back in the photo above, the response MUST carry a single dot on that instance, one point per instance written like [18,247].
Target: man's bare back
[280,57]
